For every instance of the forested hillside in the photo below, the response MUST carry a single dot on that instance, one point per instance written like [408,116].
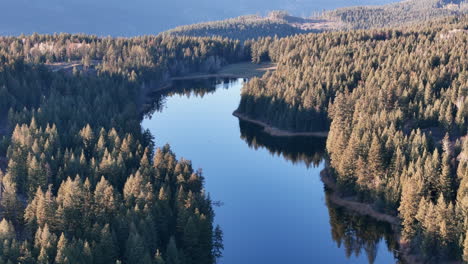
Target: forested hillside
[396,14]
[282,24]
[82,183]
[141,17]
[397,101]
[278,24]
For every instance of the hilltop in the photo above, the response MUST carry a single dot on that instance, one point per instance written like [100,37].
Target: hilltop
[282,24]
[395,14]
[277,23]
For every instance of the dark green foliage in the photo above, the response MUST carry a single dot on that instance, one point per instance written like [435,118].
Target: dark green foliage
[218,246]
[395,14]
[172,254]
[81,184]
[357,233]
[243,28]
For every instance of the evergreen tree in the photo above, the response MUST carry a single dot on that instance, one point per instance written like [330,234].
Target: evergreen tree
[61,255]
[158,259]
[135,250]
[218,246]
[7,230]
[465,247]
[172,254]
[409,207]
[446,181]
[106,250]
[12,207]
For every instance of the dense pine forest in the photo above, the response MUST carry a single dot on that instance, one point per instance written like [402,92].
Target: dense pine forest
[395,14]
[82,183]
[281,24]
[277,23]
[395,102]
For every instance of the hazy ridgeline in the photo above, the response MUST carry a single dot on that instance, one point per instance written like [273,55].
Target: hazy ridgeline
[140,17]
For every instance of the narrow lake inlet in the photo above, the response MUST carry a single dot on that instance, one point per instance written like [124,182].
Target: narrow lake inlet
[275,208]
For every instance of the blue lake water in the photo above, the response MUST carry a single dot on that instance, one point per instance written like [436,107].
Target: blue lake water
[274,208]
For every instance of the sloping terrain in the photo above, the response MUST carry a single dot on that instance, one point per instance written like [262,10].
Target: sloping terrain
[277,23]
[282,24]
[395,14]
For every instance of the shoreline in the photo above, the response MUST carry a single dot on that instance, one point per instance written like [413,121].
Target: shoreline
[276,132]
[206,76]
[238,70]
[366,209]
[357,207]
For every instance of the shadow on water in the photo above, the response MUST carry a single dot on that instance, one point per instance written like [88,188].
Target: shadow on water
[356,234]
[188,88]
[308,150]
[359,234]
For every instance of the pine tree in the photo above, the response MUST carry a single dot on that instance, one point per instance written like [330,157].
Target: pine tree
[409,207]
[7,230]
[106,203]
[36,176]
[446,180]
[172,255]
[43,257]
[106,250]
[46,208]
[135,250]
[45,244]
[191,241]
[61,250]
[376,161]
[158,259]
[12,207]
[465,248]
[87,137]
[218,246]
[88,253]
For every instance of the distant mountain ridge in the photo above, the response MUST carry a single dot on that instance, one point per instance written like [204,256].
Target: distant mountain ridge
[396,14]
[277,23]
[141,17]
[282,24]
[148,17]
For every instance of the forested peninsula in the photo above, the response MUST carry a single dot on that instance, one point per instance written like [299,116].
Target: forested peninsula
[395,102]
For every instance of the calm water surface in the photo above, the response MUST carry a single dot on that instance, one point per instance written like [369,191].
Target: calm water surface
[275,206]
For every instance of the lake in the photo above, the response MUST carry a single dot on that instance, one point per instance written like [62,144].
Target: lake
[274,205]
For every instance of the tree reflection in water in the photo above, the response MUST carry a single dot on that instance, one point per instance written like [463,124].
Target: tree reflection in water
[188,88]
[357,234]
[309,150]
